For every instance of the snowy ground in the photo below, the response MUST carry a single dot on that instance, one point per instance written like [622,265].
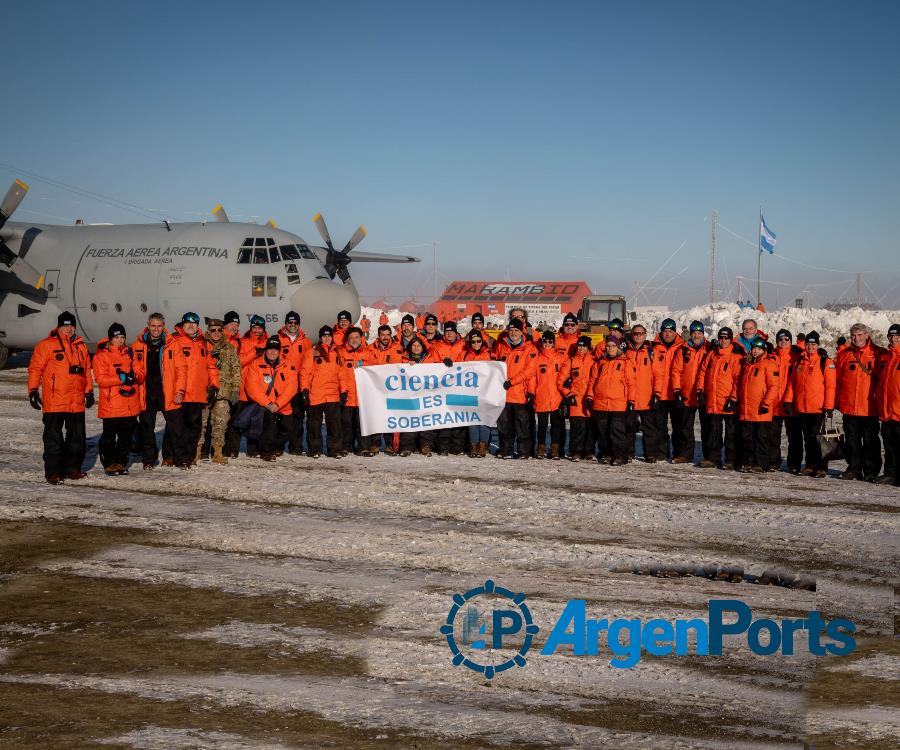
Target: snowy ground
[298,604]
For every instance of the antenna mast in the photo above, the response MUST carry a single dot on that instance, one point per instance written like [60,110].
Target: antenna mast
[712,261]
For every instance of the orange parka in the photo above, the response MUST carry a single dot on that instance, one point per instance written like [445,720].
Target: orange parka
[251,348]
[454,351]
[339,335]
[719,375]
[391,354]
[566,343]
[686,369]
[271,383]
[193,359]
[812,384]
[855,385]
[887,391]
[322,374]
[485,355]
[521,366]
[49,369]
[787,359]
[576,370]
[642,362]
[758,386]
[293,351]
[663,359]
[612,383]
[549,363]
[350,360]
[117,399]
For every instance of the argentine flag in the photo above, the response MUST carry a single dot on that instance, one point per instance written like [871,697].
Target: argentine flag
[766,237]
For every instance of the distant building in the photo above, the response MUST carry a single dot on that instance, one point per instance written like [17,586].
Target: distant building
[540,298]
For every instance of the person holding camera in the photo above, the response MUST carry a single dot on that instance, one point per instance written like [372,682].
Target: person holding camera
[120,400]
[59,382]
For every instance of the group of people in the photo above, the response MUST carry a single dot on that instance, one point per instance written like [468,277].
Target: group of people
[218,386]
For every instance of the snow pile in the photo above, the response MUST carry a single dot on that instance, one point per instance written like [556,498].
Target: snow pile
[830,325]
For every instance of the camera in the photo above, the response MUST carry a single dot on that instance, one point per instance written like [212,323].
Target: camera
[126,391]
[76,370]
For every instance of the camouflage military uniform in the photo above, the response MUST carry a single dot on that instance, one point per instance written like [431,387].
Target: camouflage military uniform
[229,389]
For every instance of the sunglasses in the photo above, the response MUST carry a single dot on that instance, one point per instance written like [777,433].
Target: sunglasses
[784,338]
[638,333]
[724,338]
[570,325]
[476,341]
[215,330]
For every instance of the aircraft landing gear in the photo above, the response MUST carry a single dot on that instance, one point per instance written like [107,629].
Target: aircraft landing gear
[4,356]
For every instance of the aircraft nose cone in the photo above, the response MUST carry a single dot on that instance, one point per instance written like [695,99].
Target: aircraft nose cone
[319,303]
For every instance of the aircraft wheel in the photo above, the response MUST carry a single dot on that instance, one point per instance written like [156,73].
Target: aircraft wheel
[4,356]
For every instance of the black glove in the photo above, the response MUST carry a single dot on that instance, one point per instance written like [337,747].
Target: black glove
[572,400]
[35,399]
[679,398]
[654,401]
[529,399]
[507,384]
[88,399]
[701,399]
[729,405]
[829,413]
[588,402]
[448,361]
[212,393]
[763,409]
[788,408]
[344,397]
[630,407]
[567,383]
[304,398]
[129,378]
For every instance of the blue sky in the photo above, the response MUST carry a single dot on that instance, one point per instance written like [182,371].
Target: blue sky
[532,140]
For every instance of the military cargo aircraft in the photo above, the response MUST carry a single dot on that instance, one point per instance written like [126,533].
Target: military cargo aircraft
[107,273]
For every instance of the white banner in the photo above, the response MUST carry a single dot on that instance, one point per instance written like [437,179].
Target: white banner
[412,398]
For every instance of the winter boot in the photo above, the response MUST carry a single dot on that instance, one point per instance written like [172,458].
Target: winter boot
[199,454]
[218,456]
[554,451]
[541,451]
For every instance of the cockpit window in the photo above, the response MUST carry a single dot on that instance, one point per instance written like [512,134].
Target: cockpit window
[260,255]
[289,252]
[306,253]
[260,241]
[245,254]
[273,255]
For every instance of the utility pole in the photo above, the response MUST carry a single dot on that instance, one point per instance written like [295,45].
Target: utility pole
[759,260]
[712,261]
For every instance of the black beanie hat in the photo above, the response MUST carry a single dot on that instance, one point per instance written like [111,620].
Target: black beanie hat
[727,331]
[784,332]
[65,319]
[812,337]
[584,341]
[570,318]
[477,316]
[894,330]
[449,326]
[326,329]
[116,329]
[344,315]
[292,317]
[408,319]
[273,342]
[232,317]
[549,336]
[431,318]
[517,323]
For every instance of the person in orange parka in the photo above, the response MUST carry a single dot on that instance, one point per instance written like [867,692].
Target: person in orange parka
[252,346]
[547,396]
[567,337]
[294,344]
[640,354]
[418,353]
[856,401]
[272,382]
[352,354]
[385,350]
[477,350]
[810,397]
[787,354]
[119,402]
[59,381]
[344,321]
[887,397]
[685,373]
[383,319]
[195,383]
[450,349]
[321,380]
[758,390]
[717,392]
[609,397]
[514,424]
[664,406]
[573,381]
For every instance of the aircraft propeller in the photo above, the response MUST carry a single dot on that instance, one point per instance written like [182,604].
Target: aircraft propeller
[25,272]
[336,262]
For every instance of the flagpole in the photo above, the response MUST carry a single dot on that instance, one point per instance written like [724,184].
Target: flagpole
[759,259]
